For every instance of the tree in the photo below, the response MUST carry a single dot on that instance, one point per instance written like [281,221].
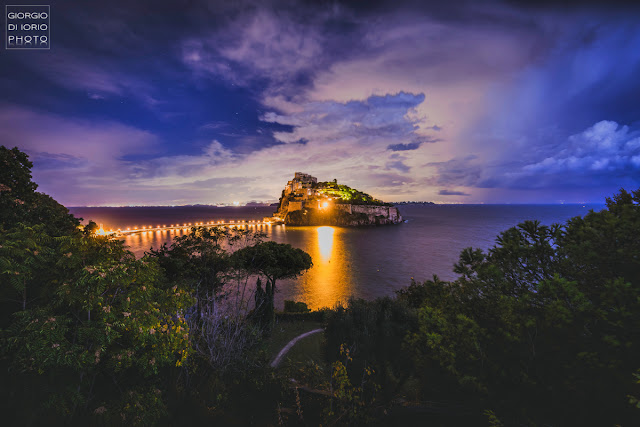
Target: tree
[97,344]
[86,326]
[201,259]
[91,228]
[274,261]
[23,253]
[16,186]
[56,218]
[19,201]
[547,321]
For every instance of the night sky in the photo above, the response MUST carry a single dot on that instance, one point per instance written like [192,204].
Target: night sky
[184,102]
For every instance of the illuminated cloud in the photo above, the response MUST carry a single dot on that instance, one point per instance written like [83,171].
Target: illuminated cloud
[346,141]
[604,153]
[76,161]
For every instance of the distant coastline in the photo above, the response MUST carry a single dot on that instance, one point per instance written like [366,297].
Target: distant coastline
[413,203]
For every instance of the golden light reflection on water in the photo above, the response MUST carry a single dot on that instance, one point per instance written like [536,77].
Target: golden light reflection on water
[325,242]
[328,282]
[143,241]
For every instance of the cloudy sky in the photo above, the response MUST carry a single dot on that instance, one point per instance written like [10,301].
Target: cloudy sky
[182,102]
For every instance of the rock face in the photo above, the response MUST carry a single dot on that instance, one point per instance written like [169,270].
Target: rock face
[345,215]
[305,201]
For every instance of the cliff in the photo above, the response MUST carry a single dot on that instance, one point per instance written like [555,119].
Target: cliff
[305,201]
[345,215]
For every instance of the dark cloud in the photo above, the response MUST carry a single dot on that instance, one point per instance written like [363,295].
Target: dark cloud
[452,193]
[412,145]
[464,172]
[57,161]
[404,147]
[215,125]
[398,165]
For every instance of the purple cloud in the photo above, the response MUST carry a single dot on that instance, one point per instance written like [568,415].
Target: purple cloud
[516,97]
[404,147]
[97,76]
[76,161]
[452,193]
[259,46]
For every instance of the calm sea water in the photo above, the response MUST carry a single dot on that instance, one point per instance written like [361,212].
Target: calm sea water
[360,262]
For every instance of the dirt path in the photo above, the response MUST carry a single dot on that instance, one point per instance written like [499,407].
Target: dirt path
[290,344]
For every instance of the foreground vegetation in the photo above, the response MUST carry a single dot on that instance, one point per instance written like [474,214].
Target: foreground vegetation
[543,329]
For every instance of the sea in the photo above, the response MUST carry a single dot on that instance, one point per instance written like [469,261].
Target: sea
[367,262]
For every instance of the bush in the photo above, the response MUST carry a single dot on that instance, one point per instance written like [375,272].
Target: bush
[295,307]
[374,332]
[310,316]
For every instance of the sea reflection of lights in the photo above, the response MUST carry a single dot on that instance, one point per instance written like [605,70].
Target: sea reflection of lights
[329,280]
[325,242]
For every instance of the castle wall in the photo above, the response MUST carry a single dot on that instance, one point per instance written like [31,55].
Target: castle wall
[389,212]
[341,207]
[371,210]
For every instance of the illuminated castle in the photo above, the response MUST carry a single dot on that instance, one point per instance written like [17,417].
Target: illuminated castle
[305,201]
[301,186]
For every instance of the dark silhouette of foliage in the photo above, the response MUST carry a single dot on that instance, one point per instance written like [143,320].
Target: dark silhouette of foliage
[21,203]
[95,342]
[295,307]
[542,329]
[91,228]
[274,261]
[547,321]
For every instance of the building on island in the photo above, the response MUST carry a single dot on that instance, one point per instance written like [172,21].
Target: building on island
[332,203]
[301,185]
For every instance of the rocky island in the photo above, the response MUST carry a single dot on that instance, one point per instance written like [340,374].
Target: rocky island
[305,201]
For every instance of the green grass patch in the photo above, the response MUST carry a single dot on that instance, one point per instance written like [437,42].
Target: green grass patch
[308,349]
[283,332]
